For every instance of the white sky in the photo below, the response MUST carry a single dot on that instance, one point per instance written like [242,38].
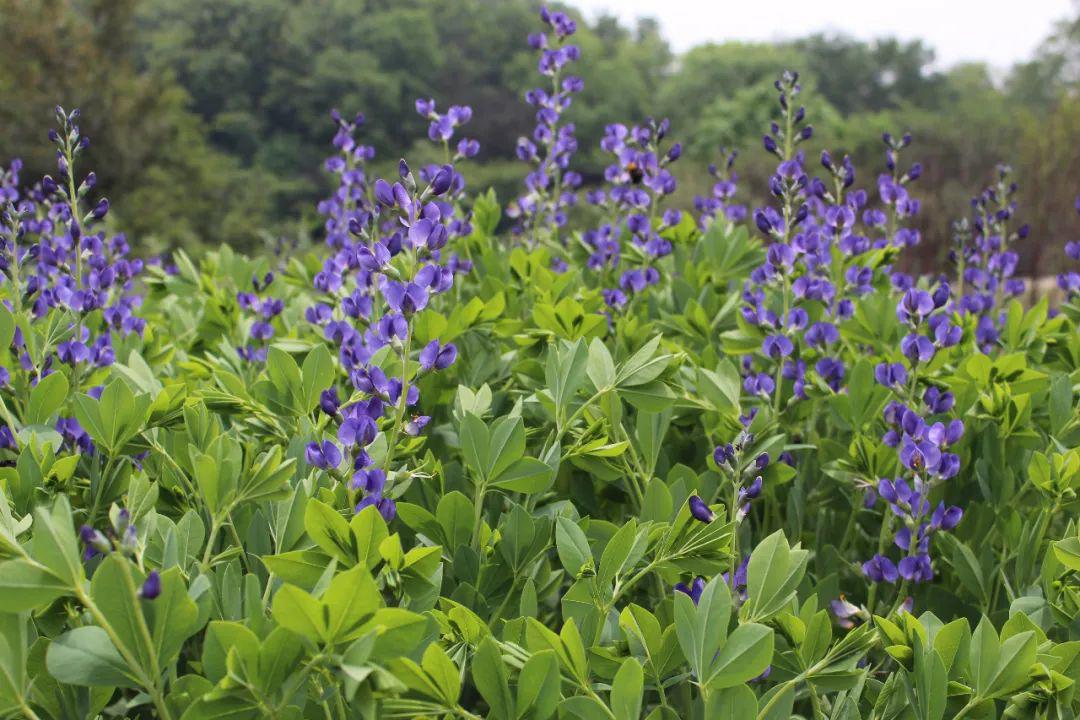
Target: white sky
[999,32]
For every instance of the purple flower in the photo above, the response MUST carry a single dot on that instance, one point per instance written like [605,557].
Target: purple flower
[759,384]
[890,374]
[693,590]
[843,609]
[406,298]
[324,455]
[880,569]
[414,425]
[437,357]
[945,518]
[937,401]
[821,334]
[914,306]
[916,568]
[919,455]
[917,348]
[723,454]
[777,346]
[329,402]
[357,429]
[386,507]
[369,480]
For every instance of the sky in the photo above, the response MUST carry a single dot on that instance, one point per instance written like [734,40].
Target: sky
[998,32]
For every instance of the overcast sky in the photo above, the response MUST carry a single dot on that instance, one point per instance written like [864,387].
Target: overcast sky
[999,32]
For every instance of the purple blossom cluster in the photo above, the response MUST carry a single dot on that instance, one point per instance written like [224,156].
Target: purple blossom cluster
[637,180]
[918,427]
[381,273]
[827,245]
[985,262]
[794,297]
[60,263]
[350,201]
[550,185]
[442,130]
[720,203]
[1069,281]
[263,308]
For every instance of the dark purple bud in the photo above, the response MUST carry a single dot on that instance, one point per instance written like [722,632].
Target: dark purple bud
[384,194]
[700,510]
[443,180]
[101,209]
[151,587]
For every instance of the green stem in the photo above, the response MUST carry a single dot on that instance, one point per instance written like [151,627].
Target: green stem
[399,415]
[215,527]
[478,512]
[971,705]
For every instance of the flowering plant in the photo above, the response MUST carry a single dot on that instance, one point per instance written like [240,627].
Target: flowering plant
[618,460]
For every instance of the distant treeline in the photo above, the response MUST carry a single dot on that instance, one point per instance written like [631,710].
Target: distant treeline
[209,118]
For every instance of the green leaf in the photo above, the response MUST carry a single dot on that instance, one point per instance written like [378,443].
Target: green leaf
[172,617]
[489,676]
[600,367]
[627,690]
[85,656]
[1067,552]
[221,636]
[985,650]
[736,703]
[616,552]
[329,530]
[55,545]
[26,585]
[475,444]
[443,673]
[572,545]
[112,594]
[295,610]
[352,600]
[298,567]
[644,366]
[565,372]
[773,575]
[744,656]
[526,475]
[702,628]
[455,516]
[7,327]
[46,398]
[652,397]
[505,447]
[538,686]
[368,531]
[317,375]
[1015,660]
